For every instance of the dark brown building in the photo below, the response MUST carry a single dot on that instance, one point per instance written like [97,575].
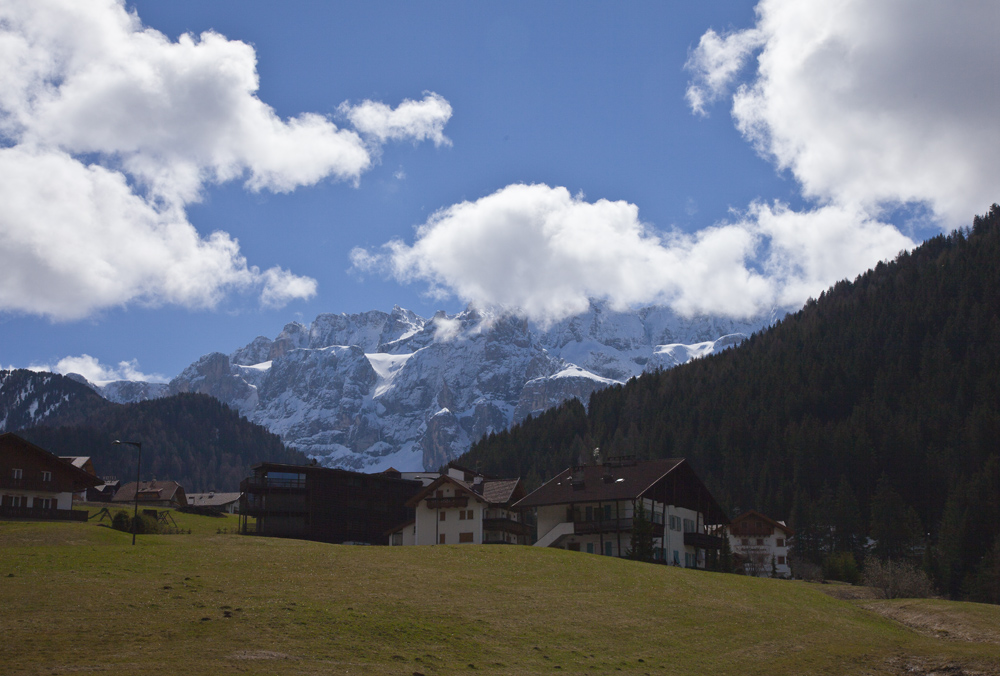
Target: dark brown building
[36,484]
[324,504]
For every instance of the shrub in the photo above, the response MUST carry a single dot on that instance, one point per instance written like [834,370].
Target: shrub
[896,579]
[146,525]
[121,520]
[806,570]
[841,566]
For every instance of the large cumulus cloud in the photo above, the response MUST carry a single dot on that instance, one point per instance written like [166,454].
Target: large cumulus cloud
[110,129]
[870,105]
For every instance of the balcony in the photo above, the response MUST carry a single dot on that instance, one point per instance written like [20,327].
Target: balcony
[38,514]
[260,484]
[29,484]
[702,541]
[603,526]
[507,525]
[447,503]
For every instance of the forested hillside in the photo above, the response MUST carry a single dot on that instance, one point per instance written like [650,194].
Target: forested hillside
[874,411]
[191,438]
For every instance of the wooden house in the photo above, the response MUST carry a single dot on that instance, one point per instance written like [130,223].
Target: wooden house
[592,508]
[758,541]
[36,484]
[464,507]
[155,493]
[219,502]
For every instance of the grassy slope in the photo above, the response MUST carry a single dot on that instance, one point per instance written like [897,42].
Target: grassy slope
[79,597]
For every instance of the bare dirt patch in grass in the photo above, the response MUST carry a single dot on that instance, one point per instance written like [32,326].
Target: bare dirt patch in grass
[972,622]
[922,666]
[259,655]
[847,592]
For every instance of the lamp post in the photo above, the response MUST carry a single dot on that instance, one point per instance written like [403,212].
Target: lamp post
[138,466]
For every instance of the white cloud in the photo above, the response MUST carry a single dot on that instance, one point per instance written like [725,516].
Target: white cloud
[110,129]
[98,373]
[417,120]
[871,103]
[715,63]
[540,250]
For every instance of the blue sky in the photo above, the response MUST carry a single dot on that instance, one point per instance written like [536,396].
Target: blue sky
[591,97]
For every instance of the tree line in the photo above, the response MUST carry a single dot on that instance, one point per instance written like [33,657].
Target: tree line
[869,419]
[193,439]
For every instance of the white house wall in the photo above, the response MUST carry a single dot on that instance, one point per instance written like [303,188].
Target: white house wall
[551,516]
[430,527]
[63,500]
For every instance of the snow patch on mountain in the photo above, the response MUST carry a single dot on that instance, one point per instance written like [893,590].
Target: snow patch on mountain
[372,390]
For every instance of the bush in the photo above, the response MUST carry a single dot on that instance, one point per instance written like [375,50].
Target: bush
[121,521]
[896,579]
[841,566]
[806,570]
[146,525]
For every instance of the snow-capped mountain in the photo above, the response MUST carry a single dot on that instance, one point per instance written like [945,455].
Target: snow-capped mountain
[28,399]
[376,389]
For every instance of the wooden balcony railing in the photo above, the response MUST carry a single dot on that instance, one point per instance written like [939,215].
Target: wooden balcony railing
[38,514]
[447,503]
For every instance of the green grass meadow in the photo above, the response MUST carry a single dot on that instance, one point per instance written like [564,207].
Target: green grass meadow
[78,598]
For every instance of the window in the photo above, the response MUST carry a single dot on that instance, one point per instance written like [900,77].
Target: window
[464,537]
[688,525]
[745,542]
[16,474]
[44,503]
[781,560]
[443,514]
[781,542]
[607,549]
[688,560]
[441,539]
[607,512]
[469,515]
[397,540]
[760,542]
[677,558]
[461,515]
[590,547]
[46,476]
[590,513]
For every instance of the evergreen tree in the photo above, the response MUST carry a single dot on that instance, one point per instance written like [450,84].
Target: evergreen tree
[642,534]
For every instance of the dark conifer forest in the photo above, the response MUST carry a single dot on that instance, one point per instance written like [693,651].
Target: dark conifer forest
[874,412]
[193,439]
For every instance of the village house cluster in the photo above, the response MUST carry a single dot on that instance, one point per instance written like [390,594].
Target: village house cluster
[595,508]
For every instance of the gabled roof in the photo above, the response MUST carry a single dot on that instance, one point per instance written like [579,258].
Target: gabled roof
[151,491]
[81,461]
[668,480]
[211,499]
[766,519]
[80,478]
[491,491]
[500,491]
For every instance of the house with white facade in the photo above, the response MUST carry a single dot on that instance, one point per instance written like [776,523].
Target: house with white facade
[464,507]
[758,542]
[36,484]
[592,508]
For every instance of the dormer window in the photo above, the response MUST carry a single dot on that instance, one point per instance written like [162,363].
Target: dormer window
[46,476]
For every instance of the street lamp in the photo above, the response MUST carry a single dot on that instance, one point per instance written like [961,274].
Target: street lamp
[138,466]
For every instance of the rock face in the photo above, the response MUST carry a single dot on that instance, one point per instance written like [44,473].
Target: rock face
[373,390]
